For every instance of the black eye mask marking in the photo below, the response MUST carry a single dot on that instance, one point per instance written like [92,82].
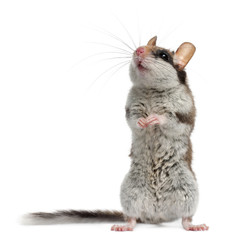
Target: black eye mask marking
[164,55]
[167,57]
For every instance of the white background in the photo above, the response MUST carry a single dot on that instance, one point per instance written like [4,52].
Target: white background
[64,141]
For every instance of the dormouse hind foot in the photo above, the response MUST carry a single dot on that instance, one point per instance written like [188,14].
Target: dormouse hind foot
[128,227]
[187,225]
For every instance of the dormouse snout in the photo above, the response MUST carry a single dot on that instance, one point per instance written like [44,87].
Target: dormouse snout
[144,51]
[140,51]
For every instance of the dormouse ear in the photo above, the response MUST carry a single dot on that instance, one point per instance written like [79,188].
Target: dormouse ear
[152,41]
[183,54]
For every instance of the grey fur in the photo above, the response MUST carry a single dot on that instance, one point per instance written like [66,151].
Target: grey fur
[160,185]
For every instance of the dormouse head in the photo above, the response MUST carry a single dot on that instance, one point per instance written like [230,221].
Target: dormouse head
[157,67]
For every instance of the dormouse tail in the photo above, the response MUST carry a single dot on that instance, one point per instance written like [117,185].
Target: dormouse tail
[72,216]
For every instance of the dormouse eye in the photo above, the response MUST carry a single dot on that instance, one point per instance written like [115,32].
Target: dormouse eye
[164,56]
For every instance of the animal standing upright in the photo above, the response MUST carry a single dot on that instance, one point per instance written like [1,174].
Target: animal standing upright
[160,185]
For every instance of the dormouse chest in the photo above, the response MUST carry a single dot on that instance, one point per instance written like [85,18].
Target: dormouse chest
[156,103]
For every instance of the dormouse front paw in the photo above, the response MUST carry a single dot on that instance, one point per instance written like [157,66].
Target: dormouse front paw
[152,119]
[142,123]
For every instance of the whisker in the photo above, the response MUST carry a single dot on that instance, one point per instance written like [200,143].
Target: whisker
[158,70]
[169,72]
[126,31]
[104,31]
[118,69]
[98,54]
[139,32]
[158,65]
[166,68]
[120,53]
[112,58]
[109,69]
[105,44]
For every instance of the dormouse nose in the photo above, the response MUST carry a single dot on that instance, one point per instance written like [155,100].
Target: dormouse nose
[140,51]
